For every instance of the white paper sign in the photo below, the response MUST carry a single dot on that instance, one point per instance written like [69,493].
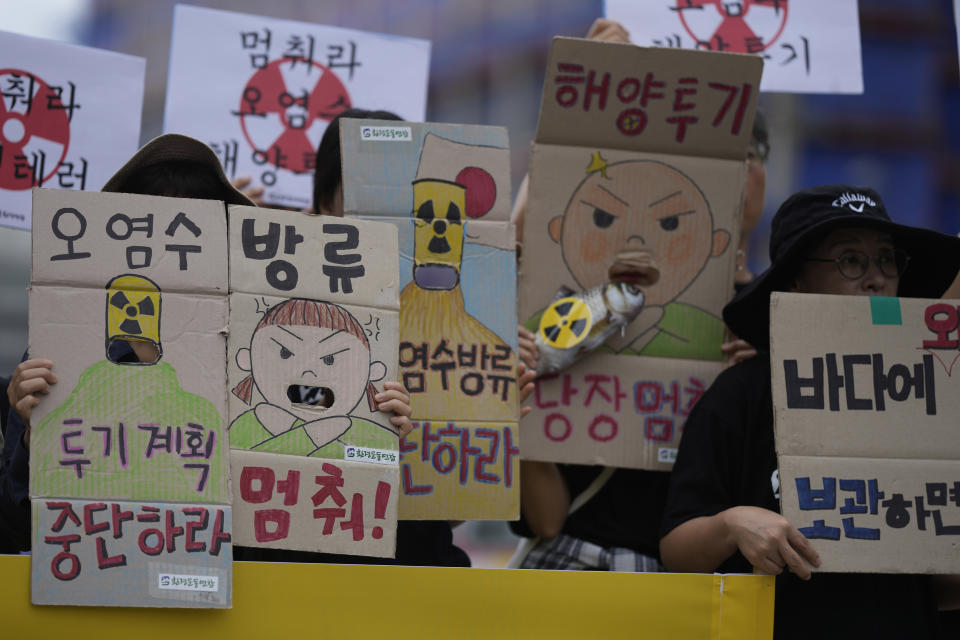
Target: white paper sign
[261,91]
[69,118]
[809,46]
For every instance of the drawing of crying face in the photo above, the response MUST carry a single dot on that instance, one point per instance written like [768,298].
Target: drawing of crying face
[294,366]
[640,206]
[438,207]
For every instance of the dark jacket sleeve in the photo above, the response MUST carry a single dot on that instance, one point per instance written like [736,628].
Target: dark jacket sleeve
[14,489]
[14,483]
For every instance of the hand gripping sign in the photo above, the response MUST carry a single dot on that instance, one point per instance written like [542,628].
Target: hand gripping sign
[128,481]
[865,422]
[637,168]
[314,326]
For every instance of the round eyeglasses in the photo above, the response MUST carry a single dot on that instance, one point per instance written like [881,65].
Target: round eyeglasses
[854,264]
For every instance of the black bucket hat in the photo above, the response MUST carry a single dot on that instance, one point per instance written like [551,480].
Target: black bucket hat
[809,215]
[179,148]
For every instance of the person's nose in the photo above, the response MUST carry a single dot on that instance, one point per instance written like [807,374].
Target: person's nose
[873,280]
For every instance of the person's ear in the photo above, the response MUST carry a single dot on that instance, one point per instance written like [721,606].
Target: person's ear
[243,359]
[556,229]
[721,240]
[378,371]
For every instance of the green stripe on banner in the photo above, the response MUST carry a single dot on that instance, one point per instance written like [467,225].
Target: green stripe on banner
[885,310]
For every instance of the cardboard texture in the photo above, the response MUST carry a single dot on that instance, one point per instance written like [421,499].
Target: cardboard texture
[311,504]
[274,252]
[114,430]
[70,117]
[303,369]
[659,179]
[178,243]
[447,190]
[472,469]
[865,410]
[136,329]
[261,91]
[623,417]
[137,554]
[260,376]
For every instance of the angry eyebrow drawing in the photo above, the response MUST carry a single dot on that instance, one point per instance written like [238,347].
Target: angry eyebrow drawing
[310,362]
[627,215]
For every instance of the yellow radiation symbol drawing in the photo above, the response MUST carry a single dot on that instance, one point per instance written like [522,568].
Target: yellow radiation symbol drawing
[438,212]
[133,309]
[565,323]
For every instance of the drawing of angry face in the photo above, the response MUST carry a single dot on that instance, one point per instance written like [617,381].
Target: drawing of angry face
[628,214]
[334,363]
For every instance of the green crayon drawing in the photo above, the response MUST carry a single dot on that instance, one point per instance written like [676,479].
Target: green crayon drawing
[310,361]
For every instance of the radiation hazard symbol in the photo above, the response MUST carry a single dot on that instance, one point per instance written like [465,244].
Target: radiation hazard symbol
[34,130]
[133,309]
[565,323]
[285,108]
[748,26]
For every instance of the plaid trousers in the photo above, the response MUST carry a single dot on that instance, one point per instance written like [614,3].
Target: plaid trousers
[567,552]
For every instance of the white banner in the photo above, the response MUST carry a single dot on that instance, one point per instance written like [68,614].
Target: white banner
[808,46]
[261,91]
[69,118]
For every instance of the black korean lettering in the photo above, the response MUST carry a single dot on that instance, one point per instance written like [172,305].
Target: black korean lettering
[259,247]
[334,253]
[58,220]
[795,386]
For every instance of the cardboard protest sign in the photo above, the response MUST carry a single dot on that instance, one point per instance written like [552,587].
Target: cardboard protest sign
[128,297]
[811,46]
[260,91]
[658,179]
[865,410]
[313,333]
[335,506]
[447,190]
[69,117]
[171,555]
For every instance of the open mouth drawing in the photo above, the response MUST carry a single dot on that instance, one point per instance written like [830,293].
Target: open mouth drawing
[312,397]
[634,268]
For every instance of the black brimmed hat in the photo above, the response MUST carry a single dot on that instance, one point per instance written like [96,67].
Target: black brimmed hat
[809,215]
[178,148]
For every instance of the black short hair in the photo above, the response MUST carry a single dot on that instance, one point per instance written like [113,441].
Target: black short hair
[326,177]
[176,179]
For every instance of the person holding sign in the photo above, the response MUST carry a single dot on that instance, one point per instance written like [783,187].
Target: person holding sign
[418,542]
[600,517]
[171,165]
[722,511]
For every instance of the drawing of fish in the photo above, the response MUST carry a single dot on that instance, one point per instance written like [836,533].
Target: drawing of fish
[577,323]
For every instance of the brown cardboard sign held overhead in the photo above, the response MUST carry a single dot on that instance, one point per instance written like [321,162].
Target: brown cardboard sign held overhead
[865,416]
[446,187]
[636,179]
[313,335]
[129,449]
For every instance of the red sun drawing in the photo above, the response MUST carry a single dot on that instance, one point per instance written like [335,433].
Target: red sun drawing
[30,126]
[747,26]
[284,108]
[481,191]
